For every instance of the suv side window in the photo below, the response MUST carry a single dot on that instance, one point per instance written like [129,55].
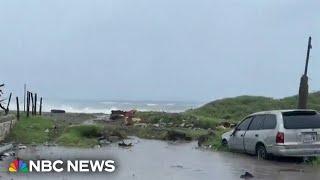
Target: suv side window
[243,126]
[257,122]
[270,122]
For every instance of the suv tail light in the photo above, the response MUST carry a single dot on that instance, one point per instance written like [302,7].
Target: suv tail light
[280,137]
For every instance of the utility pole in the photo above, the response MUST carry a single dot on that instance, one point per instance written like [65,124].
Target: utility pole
[303,89]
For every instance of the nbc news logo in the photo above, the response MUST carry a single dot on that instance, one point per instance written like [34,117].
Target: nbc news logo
[19,165]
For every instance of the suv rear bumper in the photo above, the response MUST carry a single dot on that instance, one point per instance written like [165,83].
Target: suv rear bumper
[282,150]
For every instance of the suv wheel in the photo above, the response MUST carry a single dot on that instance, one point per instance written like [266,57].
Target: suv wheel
[224,143]
[261,152]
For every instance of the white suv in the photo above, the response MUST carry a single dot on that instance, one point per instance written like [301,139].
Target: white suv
[279,133]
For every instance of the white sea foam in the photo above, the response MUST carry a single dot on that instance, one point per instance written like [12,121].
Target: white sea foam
[68,108]
[107,106]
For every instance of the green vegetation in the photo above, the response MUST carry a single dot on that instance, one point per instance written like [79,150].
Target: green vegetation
[163,117]
[228,109]
[81,136]
[151,132]
[215,141]
[176,119]
[31,130]
[234,109]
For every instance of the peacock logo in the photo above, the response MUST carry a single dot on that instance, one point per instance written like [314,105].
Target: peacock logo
[18,166]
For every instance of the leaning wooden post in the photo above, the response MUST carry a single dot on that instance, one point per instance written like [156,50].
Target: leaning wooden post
[35,104]
[7,111]
[304,88]
[28,103]
[18,109]
[40,109]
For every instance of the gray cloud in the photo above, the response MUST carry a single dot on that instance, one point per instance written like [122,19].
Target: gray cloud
[157,50]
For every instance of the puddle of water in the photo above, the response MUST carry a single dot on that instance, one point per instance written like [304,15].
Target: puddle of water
[152,159]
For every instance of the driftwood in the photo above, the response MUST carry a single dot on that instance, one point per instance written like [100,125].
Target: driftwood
[6,109]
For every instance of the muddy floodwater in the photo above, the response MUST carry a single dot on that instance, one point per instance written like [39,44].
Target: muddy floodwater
[160,160]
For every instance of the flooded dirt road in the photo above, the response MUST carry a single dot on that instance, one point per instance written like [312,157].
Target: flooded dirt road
[152,159]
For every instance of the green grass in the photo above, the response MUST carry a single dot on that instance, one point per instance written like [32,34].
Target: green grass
[236,108]
[215,141]
[80,136]
[31,130]
[163,117]
[314,161]
[178,118]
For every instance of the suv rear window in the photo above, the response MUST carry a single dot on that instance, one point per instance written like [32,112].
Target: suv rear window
[301,120]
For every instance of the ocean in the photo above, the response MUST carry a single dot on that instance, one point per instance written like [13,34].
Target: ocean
[105,106]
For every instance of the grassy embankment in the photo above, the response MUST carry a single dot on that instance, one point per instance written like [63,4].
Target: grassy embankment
[42,129]
[31,130]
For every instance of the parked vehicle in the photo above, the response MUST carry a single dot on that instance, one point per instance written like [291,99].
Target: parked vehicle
[279,133]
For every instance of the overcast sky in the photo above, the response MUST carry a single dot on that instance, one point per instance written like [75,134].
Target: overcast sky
[158,49]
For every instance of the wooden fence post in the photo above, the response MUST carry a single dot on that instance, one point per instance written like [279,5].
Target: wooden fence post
[40,109]
[18,109]
[35,104]
[28,103]
[32,106]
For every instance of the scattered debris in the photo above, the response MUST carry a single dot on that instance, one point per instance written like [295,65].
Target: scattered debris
[221,127]
[174,135]
[156,125]
[202,139]
[49,144]
[123,144]
[7,154]
[58,111]
[246,175]
[143,125]
[5,147]
[136,120]
[129,117]
[117,114]
[20,147]
[113,138]
[46,131]
[104,142]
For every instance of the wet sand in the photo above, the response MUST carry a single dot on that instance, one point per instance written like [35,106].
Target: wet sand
[152,159]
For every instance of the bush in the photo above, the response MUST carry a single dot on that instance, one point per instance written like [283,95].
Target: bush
[81,135]
[31,130]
